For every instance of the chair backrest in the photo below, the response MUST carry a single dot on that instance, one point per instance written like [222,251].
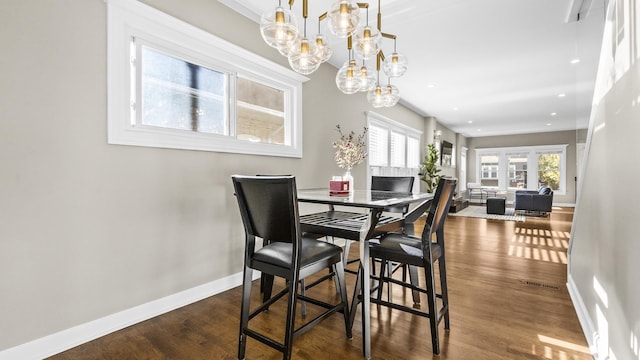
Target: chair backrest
[472,186]
[401,184]
[439,209]
[269,207]
[427,206]
[392,183]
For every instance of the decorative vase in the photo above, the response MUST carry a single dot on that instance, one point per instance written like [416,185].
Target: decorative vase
[348,177]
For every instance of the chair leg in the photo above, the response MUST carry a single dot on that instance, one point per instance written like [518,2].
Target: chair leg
[267,286]
[413,279]
[303,304]
[244,311]
[390,274]
[443,288]
[291,316]
[338,269]
[433,311]
[383,265]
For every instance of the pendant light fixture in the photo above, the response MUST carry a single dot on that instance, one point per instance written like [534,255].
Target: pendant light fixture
[367,78]
[279,30]
[391,95]
[367,40]
[324,51]
[348,77]
[278,27]
[303,53]
[396,65]
[375,97]
[344,17]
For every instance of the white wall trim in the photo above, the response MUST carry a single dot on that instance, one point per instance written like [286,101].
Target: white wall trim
[243,9]
[590,332]
[77,335]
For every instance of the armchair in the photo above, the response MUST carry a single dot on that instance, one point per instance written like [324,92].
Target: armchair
[532,200]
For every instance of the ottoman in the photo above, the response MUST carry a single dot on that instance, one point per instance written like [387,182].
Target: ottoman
[495,205]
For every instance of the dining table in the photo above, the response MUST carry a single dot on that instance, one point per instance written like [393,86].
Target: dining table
[359,217]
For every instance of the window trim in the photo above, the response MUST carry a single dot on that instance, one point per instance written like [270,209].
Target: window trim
[127,19]
[532,168]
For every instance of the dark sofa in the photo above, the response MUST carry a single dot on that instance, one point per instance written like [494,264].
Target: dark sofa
[532,200]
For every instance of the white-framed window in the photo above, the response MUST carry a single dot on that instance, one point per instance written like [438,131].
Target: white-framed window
[518,170]
[489,166]
[173,85]
[523,167]
[394,148]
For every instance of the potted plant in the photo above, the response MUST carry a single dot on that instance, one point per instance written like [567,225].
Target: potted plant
[429,168]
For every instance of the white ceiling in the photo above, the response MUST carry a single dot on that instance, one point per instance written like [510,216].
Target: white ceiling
[483,68]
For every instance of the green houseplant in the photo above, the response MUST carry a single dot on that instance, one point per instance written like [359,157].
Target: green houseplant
[429,168]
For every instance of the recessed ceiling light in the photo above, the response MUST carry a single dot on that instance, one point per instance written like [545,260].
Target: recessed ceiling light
[575,61]
[431,85]
[548,124]
[554,114]
[479,129]
[455,109]
[562,95]
[469,122]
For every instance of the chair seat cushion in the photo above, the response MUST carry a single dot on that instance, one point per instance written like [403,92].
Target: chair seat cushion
[280,253]
[403,248]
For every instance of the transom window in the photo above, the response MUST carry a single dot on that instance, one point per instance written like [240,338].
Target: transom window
[173,85]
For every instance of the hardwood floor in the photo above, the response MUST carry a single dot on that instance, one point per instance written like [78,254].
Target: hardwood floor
[507,292]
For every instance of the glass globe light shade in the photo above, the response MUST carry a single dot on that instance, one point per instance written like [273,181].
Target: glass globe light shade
[324,51]
[367,79]
[366,42]
[302,56]
[391,95]
[348,78]
[376,97]
[344,17]
[284,50]
[278,28]
[395,65]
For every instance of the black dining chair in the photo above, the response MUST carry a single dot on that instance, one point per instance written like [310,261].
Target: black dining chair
[420,252]
[269,210]
[400,184]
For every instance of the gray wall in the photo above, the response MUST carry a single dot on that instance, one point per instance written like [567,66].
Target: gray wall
[89,229]
[603,255]
[549,138]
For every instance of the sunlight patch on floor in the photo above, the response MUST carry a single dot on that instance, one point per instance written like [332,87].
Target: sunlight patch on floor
[540,244]
[563,344]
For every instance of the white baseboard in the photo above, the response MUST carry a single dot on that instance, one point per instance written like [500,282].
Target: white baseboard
[588,328]
[77,335]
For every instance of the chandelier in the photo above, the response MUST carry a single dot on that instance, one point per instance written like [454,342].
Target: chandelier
[280,30]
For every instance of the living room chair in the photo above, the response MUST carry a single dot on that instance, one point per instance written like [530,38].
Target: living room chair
[475,192]
[421,252]
[269,210]
[540,201]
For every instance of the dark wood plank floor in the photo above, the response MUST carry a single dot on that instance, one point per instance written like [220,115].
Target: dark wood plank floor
[508,300]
